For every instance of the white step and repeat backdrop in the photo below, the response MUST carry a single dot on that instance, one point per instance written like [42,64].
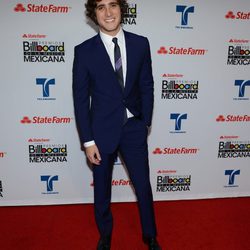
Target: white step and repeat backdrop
[199,146]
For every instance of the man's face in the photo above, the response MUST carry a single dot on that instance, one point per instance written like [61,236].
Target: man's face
[108,15]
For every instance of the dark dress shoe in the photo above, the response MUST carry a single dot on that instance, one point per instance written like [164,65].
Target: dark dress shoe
[152,243]
[104,243]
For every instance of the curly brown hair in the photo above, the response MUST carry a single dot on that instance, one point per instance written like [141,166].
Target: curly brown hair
[91,6]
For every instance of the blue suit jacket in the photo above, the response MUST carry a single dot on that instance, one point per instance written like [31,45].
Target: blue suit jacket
[99,100]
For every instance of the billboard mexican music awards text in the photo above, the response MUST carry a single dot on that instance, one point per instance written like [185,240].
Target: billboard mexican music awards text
[174,86]
[238,52]
[169,182]
[43,151]
[233,147]
[37,48]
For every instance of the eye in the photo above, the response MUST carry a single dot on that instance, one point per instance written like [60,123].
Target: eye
[114,5]
[100,7]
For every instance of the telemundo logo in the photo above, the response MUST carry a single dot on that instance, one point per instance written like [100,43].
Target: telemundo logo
[231,177]
[49,180]
[45,83]
[178,122]
[242,84]
[184,10]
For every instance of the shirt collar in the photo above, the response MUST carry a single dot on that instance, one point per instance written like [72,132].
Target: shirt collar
[107,39]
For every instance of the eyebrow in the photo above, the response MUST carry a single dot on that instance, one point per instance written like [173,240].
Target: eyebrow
[107,4]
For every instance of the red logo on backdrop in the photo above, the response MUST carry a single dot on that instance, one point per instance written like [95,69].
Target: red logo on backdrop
[25,120]
[120,182]
[230,15]
[166,171]
[157,151]
[33,36]
[181,51]
[162,50]
[172,75]
[220,118]
[42,8]
[229,137]
[239,15]
[36,140]
[45,120]
[233,118]
[241,41]
[176,151]
[19,8]
[2,154]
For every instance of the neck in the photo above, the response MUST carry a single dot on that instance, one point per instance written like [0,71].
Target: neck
[111,33]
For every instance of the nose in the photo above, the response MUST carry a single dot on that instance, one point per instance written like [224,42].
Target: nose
[108,11]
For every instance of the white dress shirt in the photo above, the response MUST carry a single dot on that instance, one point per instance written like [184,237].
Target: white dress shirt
[110,46]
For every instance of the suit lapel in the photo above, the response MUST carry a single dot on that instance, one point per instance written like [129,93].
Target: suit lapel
[103,61]
[102,54]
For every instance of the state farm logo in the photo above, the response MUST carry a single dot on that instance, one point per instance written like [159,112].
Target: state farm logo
[239,15]
[26,120]
[120,182]
[175,151]
[229,137]
[2,154]
[220,118]
[181,51]
[19,8]
[166,171]
[42,8]
[34,36]
[46,120]
[239,41]
[233,118]
[38,140]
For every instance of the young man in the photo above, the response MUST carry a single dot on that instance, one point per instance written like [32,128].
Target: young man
[113,99]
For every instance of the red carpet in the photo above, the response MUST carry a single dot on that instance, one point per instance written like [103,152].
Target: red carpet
[215,224]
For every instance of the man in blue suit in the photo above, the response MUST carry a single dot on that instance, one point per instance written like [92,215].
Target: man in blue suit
[113,99]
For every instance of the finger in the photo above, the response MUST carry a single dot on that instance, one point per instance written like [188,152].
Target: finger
[94,160]
[98,156]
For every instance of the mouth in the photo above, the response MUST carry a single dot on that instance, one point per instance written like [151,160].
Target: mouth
[110,20]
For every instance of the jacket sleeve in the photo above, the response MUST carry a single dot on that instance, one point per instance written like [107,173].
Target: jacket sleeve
[81,96]
[147,86]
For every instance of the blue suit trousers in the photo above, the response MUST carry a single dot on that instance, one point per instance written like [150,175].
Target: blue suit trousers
[134,151]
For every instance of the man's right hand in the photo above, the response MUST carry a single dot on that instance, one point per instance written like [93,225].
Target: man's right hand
[93,154]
